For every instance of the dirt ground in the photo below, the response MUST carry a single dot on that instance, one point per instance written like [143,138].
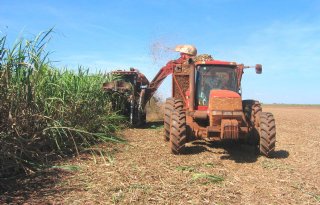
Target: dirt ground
[144,172]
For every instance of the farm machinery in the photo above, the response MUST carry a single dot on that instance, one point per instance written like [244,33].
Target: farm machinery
[206,103]
[132,85]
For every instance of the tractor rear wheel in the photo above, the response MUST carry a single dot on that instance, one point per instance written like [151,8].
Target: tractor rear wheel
[267,131]
[178,132]
[169,107]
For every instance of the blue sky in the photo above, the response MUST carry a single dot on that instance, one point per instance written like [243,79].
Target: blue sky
[282,35]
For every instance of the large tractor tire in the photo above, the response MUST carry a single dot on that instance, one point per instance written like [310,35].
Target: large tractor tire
[178,132]
[252,110]
[267,132]
[170,105]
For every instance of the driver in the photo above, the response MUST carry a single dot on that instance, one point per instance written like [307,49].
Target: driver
[225,81]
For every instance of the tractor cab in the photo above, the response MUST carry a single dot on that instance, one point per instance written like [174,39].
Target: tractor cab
[214,77]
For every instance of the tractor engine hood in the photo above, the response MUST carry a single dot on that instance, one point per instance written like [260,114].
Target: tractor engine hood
[224,100]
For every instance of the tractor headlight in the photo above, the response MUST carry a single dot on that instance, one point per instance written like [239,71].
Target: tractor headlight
[237,113]
[215,112]
[227,113]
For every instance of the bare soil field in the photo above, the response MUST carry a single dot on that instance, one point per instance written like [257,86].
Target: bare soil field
[144,172]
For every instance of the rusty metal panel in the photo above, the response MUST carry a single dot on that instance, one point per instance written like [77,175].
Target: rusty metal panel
[180,81]
[180,86]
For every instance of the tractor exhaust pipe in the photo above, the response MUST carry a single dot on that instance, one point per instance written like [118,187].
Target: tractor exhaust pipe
[192,85]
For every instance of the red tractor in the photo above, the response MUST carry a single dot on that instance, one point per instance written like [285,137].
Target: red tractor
[206,103]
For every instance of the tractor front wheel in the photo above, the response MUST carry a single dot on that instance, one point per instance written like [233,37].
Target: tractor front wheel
[170,105]
[178,132]
[267,131]
[168,108]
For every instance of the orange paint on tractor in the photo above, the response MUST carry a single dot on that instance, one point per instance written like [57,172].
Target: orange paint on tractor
[224,94]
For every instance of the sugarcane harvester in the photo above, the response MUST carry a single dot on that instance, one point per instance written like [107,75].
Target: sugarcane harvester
[206,103]
[130,85]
